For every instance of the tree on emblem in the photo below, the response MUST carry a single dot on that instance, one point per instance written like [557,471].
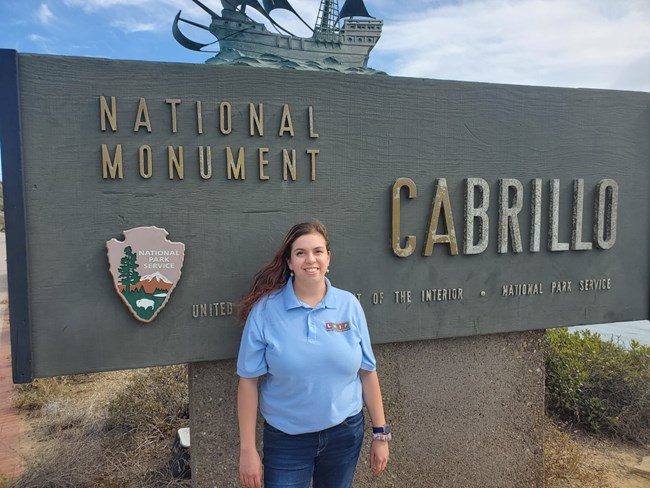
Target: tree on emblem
[128,274]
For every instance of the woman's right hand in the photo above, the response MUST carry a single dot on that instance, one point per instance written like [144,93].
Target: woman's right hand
[250,464]
[250,469]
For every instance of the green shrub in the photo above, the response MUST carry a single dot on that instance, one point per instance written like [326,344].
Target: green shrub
[598,385]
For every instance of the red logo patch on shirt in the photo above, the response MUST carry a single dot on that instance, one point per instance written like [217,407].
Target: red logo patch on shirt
[342,327]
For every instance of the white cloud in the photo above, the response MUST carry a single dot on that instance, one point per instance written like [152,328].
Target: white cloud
[37,38]
[131,25]
[591,43]
[44,14]
[43,43]
[145,6]
[135,15]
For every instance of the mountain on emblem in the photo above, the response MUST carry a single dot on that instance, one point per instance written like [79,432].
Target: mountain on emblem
[145,267]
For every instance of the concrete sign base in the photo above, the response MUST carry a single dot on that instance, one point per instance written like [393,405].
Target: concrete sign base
[465,412]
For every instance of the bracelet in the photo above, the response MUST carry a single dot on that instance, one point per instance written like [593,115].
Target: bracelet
[382,437]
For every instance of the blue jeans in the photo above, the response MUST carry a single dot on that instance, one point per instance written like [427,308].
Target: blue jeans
[329,456]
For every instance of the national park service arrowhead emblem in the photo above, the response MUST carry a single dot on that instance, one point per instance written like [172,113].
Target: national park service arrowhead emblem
[145,267]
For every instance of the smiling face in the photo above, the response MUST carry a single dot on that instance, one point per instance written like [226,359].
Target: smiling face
[309,259]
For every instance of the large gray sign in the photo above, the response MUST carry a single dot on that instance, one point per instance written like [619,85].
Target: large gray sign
[454,208]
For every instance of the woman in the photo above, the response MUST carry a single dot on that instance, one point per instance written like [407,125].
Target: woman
[311,342]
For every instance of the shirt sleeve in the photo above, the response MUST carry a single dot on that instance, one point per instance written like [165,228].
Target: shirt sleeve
[251,361]
[368,361]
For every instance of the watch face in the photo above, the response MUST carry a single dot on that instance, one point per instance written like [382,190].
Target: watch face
[387,429]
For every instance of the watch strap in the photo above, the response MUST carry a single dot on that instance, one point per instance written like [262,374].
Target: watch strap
[384,429]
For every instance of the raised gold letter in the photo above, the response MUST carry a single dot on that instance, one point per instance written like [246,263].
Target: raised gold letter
[175,162]
[239,169]
[289,165]
[142,118]
[146,161]
[313,153]
[225,118]
[554,219]
[113,167]
[262,151]
[199,117]
[313,134]
[205,164]
[104,113]
[173,102]
[395,238]
[606,213]
[508,215]
[473,213]
[440,204]
[256,119]
[577,244]
[536,214]
[285,124]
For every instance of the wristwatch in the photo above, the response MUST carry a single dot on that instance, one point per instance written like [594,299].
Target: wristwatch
[382,433]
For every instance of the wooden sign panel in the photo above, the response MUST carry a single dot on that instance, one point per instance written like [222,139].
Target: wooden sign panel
[454,208]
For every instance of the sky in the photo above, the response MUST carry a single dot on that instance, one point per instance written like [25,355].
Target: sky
[567,43]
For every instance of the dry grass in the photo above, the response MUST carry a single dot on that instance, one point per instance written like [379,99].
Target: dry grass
[109,430]
[567,464]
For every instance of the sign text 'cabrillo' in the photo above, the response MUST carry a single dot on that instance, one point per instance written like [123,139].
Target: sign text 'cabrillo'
[510,202]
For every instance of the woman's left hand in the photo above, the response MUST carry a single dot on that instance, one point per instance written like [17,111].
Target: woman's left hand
[378,457]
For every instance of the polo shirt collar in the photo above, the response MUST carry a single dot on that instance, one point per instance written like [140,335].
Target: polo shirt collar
[291,300]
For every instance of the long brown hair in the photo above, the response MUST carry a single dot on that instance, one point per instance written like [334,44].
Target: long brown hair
[275,275]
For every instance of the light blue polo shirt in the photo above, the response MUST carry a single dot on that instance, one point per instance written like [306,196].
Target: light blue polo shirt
[311,358]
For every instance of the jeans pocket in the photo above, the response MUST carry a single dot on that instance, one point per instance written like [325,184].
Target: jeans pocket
[269,428]
[354,421]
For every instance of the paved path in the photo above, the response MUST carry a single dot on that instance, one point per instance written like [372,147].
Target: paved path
[10,424]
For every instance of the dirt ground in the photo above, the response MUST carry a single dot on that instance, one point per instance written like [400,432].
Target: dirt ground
[624,467]
[627,470]
[576,460]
